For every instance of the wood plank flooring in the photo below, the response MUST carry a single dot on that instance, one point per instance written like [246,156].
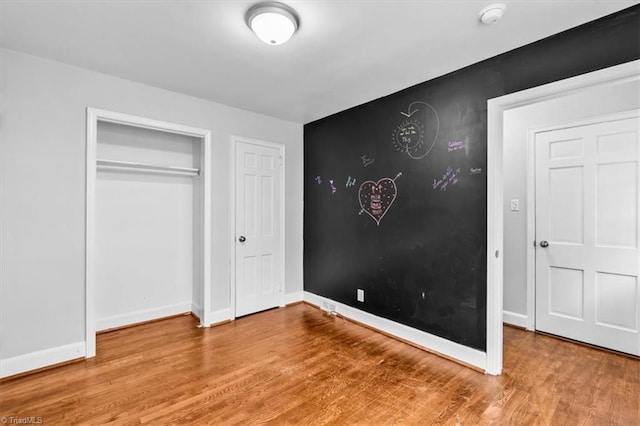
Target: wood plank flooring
[298,365]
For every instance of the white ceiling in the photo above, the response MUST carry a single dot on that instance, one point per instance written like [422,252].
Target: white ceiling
[345,53]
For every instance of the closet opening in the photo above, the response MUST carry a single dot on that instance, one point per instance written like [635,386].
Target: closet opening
[148,221]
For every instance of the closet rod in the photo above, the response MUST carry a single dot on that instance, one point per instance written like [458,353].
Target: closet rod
[142,167]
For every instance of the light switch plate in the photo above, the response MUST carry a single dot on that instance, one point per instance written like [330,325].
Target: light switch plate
[515,205]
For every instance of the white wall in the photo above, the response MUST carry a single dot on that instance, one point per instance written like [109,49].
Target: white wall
[594,102]
[42,191]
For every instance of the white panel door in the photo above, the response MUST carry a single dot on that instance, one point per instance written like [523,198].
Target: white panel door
[587,233]
[259,241]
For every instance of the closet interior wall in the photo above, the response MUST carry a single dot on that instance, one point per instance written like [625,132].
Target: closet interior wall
[148,233]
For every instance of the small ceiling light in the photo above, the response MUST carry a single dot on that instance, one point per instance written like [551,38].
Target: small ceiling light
[273,22]
[492,13]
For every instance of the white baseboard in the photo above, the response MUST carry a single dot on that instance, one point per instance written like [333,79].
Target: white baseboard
[428,341]
[290,298]
[34,360]
[513,318]
[219,316]
[141,316]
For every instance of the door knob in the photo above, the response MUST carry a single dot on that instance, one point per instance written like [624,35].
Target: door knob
[544,244]
[242,239]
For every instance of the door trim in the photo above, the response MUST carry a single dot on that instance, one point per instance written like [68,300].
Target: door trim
[232,216]
[495,193]
[531,198]
[94,116]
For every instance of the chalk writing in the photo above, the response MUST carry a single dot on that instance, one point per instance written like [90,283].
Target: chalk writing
[475,171]
[333,187]
[455,146]
[350,182]
[449,178]
[367,161]
[410,136]
[376,197]
[318,179]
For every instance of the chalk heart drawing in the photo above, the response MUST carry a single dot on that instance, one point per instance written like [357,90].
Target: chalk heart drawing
[377,197]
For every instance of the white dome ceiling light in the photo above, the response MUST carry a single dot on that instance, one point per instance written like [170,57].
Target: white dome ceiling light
[492,13]
[273,22]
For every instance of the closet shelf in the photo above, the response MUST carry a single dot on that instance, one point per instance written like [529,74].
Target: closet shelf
[142,167]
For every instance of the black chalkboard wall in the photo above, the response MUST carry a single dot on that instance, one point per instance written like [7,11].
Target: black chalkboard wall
[395,191]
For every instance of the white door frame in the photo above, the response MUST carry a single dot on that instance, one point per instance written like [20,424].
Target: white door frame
[94,116]
[495,193]
[232,215]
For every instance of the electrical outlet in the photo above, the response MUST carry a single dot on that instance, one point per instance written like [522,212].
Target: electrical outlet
[360,295]
[515,205]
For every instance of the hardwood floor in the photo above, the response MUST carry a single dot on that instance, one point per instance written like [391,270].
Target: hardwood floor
[297,365]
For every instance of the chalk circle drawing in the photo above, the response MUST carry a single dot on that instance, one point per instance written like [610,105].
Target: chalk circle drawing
[376,197]
[418,133]
[409,135]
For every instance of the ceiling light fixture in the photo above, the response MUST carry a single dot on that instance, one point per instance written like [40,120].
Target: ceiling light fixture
[273,22]
[492,13]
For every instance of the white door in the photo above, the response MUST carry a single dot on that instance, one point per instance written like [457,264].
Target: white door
[587,233]
[259,241]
